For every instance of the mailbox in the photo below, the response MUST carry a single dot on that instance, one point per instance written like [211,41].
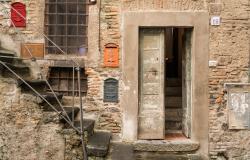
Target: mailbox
[111,90]
[111,55]
[18,14]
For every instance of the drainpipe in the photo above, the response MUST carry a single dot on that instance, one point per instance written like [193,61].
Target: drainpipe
[100,9]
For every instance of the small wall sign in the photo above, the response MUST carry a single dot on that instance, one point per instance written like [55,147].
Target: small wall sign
[111,55]
[212,63]
[18,14]
[215,20]
[110,90]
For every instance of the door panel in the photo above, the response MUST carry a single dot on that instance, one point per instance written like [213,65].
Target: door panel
[151,110]
[186,83]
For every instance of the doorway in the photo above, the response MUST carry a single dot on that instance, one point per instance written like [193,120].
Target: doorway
[165,82]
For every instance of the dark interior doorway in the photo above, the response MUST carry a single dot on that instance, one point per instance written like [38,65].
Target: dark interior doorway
[177,80]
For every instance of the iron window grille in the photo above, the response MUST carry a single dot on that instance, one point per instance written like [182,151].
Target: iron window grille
[66,25]
[61,81]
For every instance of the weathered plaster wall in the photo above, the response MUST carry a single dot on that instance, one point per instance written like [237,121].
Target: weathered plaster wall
[25,132]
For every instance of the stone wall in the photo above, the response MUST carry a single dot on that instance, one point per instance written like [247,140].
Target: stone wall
[25,132]
[229,46]
[11,37]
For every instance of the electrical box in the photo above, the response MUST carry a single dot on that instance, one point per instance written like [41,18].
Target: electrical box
[18,14]
[111,55]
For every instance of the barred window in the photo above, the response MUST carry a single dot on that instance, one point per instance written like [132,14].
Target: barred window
[61,80]
[66,25]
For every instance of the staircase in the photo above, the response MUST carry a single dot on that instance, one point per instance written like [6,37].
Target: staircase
[173,105]
[97,141]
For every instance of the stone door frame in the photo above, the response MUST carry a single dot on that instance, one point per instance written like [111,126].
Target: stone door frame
[199,21]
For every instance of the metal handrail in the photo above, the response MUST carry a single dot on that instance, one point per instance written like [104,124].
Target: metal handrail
[32,57]
[1,62]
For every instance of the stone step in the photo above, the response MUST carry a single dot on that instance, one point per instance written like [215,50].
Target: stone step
[173,102]
[173,91]
[88,126]
[38,85]
[11,59]
[7,59]
[7,53]
[173,125]
[49,96]
[122,151]
[173,114]
[70,111]
[98,144]
[174,132]
[20,69]
[173,82]
[166,156]
[178,145]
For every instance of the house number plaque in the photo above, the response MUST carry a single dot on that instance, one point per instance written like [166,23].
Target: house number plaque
[111,55]
[111,90]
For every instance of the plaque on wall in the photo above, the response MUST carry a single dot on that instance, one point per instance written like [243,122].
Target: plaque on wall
[110,90]
[35,49]
[238,104]
[111,55]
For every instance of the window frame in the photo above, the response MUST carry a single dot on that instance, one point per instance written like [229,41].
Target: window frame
[70,40]
[57,76]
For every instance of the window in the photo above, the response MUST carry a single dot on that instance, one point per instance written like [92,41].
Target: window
[66,25]
[61,81]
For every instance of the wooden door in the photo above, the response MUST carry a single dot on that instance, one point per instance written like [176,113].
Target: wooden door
[186,83]
[151,108]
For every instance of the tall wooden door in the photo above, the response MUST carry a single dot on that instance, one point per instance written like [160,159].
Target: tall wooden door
[151,105]
[186,83]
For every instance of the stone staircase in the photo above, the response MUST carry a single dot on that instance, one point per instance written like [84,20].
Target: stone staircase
[97,141]
[173,105]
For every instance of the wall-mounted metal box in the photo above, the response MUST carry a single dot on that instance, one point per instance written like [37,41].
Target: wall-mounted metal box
[18,14]
[111,55]
[110,90]
[36,49]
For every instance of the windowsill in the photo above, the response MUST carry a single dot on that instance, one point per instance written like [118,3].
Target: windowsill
[171,145]
[63,60]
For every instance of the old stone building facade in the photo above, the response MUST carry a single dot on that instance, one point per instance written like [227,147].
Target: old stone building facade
[180,108]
